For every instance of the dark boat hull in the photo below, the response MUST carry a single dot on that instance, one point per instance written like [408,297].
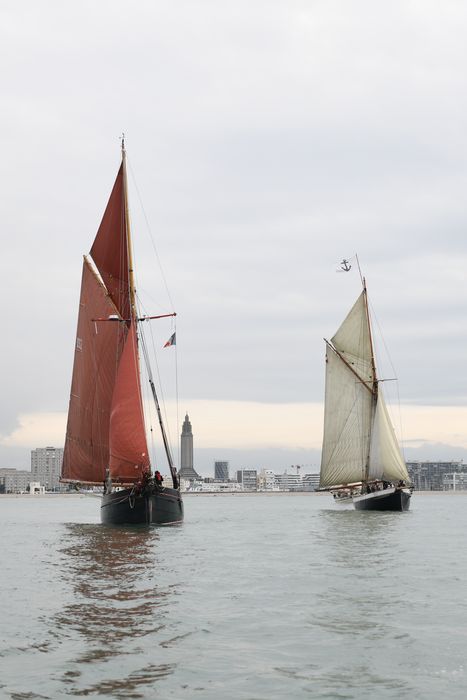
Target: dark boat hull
[156,506]
[387,499]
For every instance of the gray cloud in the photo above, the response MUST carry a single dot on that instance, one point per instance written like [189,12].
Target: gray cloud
[268,140]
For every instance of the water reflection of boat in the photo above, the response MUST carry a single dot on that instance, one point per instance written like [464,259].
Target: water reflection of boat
[118,600]
[342,612]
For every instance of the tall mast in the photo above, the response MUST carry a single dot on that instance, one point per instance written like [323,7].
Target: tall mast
[375,380]
[373,364]
[134,315]
[131,277]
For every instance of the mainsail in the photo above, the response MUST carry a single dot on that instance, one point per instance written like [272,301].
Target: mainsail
[359,441]
[127,437]
[105,427]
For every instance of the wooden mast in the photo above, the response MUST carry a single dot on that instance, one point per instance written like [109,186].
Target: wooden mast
[131,276]
[373,364]
[134,315]
[374,389]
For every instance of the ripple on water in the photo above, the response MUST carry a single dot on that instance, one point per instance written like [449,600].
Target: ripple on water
[257,598]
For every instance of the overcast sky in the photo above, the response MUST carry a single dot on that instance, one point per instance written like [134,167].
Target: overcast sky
[267,140]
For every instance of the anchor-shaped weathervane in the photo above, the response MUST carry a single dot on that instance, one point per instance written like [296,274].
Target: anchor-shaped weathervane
[345,265]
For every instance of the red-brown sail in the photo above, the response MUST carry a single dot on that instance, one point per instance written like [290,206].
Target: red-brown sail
[97,350]
[110,248]
[105,422]
[127,437]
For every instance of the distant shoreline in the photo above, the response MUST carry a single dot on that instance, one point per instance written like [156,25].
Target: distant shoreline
[226,493]
[305,493]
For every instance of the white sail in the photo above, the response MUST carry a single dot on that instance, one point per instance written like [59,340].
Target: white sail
[359,442]
[347,422]
[353,340]
[386,461]
[349,400]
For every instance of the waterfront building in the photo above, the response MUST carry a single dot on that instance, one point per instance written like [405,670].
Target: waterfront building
[212,486]
[429,476]
[310,482]
[267,481]
[248,478]
[35,489]
[14,480]
[455,481]
[187,470]
[289,482]
[221,471]
[46,463]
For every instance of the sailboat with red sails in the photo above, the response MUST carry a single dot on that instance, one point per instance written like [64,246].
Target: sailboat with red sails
[106,443]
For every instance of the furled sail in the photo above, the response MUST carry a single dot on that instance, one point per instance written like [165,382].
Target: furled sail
[386,461]
[349,400]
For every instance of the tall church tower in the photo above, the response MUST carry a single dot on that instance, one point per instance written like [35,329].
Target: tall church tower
[187,470]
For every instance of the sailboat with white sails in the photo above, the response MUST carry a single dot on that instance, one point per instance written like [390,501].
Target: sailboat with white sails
[361,461]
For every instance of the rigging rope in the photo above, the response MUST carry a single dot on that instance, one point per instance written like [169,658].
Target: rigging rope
[151,382]
[143,340]
[160,388]
[401,441]
[151,237]
[176,395]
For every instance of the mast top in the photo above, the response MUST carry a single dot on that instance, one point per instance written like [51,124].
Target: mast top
[363,281]
[131,278]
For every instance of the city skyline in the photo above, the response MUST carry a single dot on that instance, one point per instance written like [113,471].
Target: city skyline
[269,142]
[45,462]
[273,428]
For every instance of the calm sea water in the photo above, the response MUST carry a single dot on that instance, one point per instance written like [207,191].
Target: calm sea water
[254,597]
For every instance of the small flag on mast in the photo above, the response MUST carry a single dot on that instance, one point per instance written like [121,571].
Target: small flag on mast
[171,341]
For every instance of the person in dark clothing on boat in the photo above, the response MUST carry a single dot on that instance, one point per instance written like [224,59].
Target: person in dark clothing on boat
[107,482]
[158,478]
